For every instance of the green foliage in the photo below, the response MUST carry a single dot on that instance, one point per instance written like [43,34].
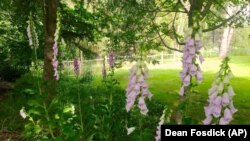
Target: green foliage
[102,106]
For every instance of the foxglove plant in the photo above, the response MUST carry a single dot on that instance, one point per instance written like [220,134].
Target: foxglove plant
[111,59]
[55,49]
[190,68]
[76,66]
[32,35]
[220,99]
[158,131]
[138,86]
[165,118]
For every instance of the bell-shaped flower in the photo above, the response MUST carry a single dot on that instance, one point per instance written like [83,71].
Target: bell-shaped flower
[217,111]
[208,120]
[142,106]
[225,99]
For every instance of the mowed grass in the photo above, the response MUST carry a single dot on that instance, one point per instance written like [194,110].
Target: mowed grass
[164,83]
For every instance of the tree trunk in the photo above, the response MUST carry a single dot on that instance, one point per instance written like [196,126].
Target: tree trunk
[50,14]
[227,35]
[225,42]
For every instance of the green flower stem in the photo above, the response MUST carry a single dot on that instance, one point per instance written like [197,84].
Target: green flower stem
[48,119]
[79,103]
[140,126]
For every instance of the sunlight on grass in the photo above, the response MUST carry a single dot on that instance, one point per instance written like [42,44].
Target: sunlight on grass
[165,83]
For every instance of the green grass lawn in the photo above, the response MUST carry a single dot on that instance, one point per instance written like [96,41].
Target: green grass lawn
[165,83]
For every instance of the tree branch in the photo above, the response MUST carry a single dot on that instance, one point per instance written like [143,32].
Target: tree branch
[222,23]
[206,9]
[175,34]
[165,44]
[159,10]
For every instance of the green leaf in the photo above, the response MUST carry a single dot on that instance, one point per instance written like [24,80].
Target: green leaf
[34,103]
[90,138]
[34,111]
[57,116]
[29,91]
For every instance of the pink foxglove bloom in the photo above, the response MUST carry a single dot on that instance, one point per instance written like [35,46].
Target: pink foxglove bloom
[55,61]
[225,99]
[221,94]
[142,106]
[76,66]
[207,120]
[138,86]
[158,130]
[111,59]
[189,66]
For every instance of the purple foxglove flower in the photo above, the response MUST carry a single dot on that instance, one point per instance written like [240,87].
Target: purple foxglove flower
[217,111]
[231,91]
[220,87]
[223,121]
[142,106]
[225,99]
[208,111]
[129,105]
[133,80]
[190,53]
[189,60]
[213,96]
[199,76]
[129,88]
[227,115]
[217,101]
[232,108]
[193,70]
[208,120]
[141,79]
[192,50]
[76,66]
[212,90]
[144,85]
[111,59]
[220,96]
[201,58]
[190,43]
[158,131]
[186,80]
[137,87]
[54,61]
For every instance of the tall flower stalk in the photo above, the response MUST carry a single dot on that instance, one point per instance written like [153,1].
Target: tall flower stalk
[76,66]
[138,87]
[33,38]
[190,68]
[111,59]
[165,118]
[34,44]
[55,48]
[220,107]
